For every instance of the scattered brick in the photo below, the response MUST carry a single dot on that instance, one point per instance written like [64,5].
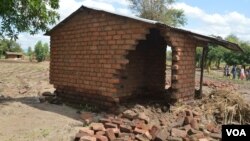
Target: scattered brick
[101,138]
[86,130]
[129,114]
[141,137]
[110,134]
[97,126]
[110,125]
[178,133]
[162,134]
[125,128]
[87,138]
[194,124]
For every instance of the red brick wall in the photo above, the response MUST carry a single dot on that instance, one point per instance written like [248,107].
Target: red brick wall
[95,58]
[183,66]
[88,53]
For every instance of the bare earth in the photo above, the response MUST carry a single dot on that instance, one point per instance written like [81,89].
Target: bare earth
[22,116]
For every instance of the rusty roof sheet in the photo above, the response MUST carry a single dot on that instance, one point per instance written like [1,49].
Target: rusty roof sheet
[199,37]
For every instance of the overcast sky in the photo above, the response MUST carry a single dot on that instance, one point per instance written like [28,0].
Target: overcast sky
[217,17]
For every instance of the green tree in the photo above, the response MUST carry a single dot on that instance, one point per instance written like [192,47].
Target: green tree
[198,56]
[26,16]
[9,45]
[30,53]
[3,48]
[215,55]
[159,10]
[46,50]
[41,51]
[238,58]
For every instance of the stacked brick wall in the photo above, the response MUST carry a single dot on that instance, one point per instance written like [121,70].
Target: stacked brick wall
[88,54]
[99,58]
[183,66]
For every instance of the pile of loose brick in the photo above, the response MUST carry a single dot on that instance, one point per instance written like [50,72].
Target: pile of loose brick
[142,125]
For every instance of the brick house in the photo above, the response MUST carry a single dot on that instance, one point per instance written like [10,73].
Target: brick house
[14,55]
[104,58]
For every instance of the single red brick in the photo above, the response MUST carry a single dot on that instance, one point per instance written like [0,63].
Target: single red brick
[194,124]
[139,131]
[110,134]
[86,130]
[153,131]
[100,133]
[110,125]
[188,120]
[97,126]
[101,138]
[88,138]
[178,133]
[104,120]
[125,128]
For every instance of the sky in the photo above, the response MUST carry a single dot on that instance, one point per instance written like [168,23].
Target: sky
[217,17]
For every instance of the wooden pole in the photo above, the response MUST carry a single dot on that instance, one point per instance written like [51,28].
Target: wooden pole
[204,52]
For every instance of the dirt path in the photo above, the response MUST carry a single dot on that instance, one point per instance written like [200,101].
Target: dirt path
[22,116]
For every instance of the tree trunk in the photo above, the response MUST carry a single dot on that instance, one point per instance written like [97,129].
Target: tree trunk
[209,66]
[218,63]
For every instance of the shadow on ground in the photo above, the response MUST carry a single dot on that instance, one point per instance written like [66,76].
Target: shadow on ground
[35,103]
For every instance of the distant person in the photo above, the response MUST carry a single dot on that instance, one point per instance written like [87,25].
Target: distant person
[234,71]
[238,71]
[248,74]
[226,71]
[242,73]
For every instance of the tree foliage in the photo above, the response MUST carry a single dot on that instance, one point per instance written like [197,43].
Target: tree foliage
[9,45]
[30,53]
[159,10]
[41,51]
[238,58]
[216,54]
[26,16]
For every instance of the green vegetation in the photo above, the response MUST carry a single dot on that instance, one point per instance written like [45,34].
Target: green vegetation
[9,45]
[218,54]
[45,132]
[41,51]
[236,58]
[26,16]
[30,53]
[159,10]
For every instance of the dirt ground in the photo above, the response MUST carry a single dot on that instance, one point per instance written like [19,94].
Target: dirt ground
[24,118]
[243,86]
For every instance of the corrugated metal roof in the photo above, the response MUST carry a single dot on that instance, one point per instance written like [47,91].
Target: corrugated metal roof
[123,15]
[13,53]
[199,37]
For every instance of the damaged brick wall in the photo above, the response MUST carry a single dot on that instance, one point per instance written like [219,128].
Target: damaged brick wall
[183,66]
[88,53]
[99,58]
[145,73]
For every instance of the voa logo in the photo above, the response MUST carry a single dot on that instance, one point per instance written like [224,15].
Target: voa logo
[236,132]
